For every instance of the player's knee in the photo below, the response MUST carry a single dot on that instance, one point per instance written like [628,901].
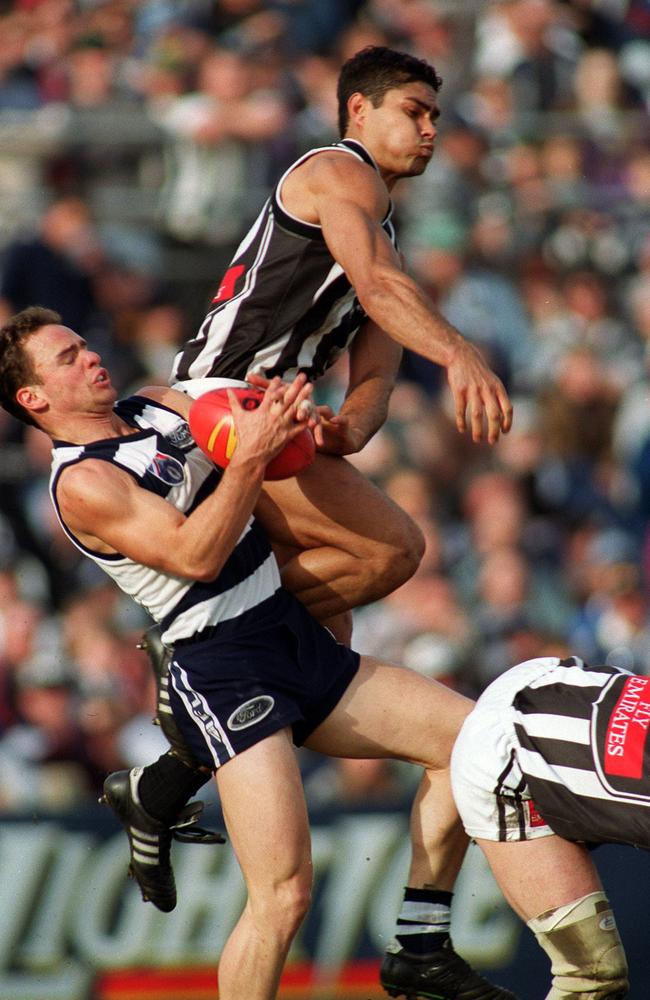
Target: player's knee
[587,956]
[401,558]
[294,899]
[285,906]
[412,547]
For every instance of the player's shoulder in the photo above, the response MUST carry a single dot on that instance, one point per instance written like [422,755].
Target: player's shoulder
[339,178]
[88,482]
[338,166]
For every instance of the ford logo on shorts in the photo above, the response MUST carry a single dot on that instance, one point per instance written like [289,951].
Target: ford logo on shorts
[250,712]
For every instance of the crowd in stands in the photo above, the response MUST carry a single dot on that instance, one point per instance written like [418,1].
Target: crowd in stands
[139,138]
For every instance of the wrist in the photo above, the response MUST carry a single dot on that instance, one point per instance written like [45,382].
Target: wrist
[458,349]
[250,467]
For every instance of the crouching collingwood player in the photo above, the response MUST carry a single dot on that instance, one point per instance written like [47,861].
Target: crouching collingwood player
[553,759]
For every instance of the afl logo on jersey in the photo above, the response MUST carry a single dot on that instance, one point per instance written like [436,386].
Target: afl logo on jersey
[169,470]
[181,435]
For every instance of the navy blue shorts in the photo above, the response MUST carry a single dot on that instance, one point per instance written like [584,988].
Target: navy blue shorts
[277,668]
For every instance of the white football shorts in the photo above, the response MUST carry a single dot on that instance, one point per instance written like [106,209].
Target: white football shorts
[195,387]
[491,794]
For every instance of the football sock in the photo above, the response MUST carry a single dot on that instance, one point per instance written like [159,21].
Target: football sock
[424,920]
[166,785]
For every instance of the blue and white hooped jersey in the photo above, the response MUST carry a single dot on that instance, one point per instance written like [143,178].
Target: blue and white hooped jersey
[162,457]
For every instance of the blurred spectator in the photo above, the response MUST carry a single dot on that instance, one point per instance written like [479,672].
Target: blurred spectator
[106,133]
[612,624]
[55,267]
[457,267]
[531,43]
[19,90]
[157,333]
[138,140]
[315,123]
[209,176]
[514,613]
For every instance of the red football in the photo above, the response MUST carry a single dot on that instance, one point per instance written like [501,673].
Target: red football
[213,430]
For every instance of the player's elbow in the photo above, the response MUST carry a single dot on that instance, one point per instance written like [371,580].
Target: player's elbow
[204,575]
[201,568]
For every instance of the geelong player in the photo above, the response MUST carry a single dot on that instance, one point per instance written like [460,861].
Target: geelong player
[555,757]
[252,671]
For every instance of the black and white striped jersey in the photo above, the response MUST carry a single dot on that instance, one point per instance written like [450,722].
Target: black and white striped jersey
[162,457]
[583,749]
[284,305]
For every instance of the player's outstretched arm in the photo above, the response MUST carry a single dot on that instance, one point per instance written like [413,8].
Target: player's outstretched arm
[350,202]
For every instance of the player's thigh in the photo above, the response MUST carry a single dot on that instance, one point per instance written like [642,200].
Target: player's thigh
[389,711]
[541,874]
[333,504]
[265,813]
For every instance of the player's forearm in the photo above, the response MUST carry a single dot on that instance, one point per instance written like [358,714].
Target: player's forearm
[211,532]
[366,406]
[374,364]
[400,307]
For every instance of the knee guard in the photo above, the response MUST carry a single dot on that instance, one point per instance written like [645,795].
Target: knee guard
[587,957]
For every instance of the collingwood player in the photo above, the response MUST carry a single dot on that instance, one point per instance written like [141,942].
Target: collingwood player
[554,758]
[318,275]
[252,671]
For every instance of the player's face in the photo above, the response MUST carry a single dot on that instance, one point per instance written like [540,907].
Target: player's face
[401,132]
[70,375]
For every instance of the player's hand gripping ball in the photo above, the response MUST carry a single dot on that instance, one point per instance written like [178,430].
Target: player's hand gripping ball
[213,429]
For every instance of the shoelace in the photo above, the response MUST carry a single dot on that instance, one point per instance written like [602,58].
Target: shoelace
[197,835]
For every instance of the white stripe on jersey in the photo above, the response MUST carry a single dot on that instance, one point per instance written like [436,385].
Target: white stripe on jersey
[230,604]
[268,355]
[335,316]
[252,232]
[556,727]
[226,315]
[165,421]
[578,780]
[335,272]
[139,459]
[575,676]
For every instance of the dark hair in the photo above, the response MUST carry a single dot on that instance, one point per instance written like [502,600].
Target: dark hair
[16,369]
[375,70]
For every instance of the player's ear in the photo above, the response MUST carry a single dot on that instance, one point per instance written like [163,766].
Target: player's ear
[357,106]
[29,397]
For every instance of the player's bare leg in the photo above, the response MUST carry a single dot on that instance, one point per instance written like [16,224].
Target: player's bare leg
[553,885]
[536,875]
[392,712]
[266,817]
[339,540]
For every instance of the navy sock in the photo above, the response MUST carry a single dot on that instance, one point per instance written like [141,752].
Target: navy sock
[166,785]
[423,922]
